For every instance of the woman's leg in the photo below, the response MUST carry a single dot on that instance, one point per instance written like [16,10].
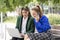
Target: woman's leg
[50,35]
[14,38]
[20,39]
[26,37]
[39,36]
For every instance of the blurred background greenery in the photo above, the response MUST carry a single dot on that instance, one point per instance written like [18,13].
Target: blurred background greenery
[9,5]
[51,9]
[54,18]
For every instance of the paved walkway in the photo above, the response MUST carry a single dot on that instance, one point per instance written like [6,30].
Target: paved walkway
[3,32]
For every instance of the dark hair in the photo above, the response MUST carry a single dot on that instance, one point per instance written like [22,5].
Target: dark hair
[26,9]
[38,10]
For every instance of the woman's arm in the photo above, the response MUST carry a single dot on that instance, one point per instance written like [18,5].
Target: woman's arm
[17,23]
[44,24]
[31,26]
[26,37]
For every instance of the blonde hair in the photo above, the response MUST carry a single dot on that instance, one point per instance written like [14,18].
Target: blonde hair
[38,10]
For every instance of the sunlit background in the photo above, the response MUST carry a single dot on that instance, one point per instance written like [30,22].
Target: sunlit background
[10,10]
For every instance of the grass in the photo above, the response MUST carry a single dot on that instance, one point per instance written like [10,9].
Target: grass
[10,20]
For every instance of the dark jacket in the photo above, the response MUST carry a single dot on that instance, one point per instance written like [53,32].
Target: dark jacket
[30,27]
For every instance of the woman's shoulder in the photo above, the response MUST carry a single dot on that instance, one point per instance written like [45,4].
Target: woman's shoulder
[19,17]
[31,18]
[44,17]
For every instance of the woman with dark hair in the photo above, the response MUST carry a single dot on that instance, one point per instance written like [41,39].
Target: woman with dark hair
[42,26]
[25,23]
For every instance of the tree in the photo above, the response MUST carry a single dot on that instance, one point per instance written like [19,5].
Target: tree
[9,5]
[56,2]
[43,1]
[2,6]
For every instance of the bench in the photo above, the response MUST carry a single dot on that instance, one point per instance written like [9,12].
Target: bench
[56,32]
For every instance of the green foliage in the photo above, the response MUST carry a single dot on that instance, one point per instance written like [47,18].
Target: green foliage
[8,20]
[55,1]
[10,5]
[43,1]
[54,18]
[2,5]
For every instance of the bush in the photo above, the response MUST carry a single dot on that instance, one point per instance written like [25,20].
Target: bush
[10,19]
[54,18]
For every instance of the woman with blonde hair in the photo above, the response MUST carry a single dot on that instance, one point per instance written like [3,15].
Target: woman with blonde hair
[42,26]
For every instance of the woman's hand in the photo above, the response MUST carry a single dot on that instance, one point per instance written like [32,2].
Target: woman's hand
[37,18]
[22,35]
[26,37]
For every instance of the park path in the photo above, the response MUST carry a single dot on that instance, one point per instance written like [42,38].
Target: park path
[3,31]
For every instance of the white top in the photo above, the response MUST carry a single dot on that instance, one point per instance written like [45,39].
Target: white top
[36,30]
[24,21]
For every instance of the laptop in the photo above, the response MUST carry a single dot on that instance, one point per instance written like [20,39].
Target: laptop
[14,32]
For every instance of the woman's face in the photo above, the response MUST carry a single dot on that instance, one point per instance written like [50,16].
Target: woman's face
[25,13]
[34,13]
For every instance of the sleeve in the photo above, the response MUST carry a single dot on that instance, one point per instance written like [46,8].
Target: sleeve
[32,26]
[44,25]
[17,23]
